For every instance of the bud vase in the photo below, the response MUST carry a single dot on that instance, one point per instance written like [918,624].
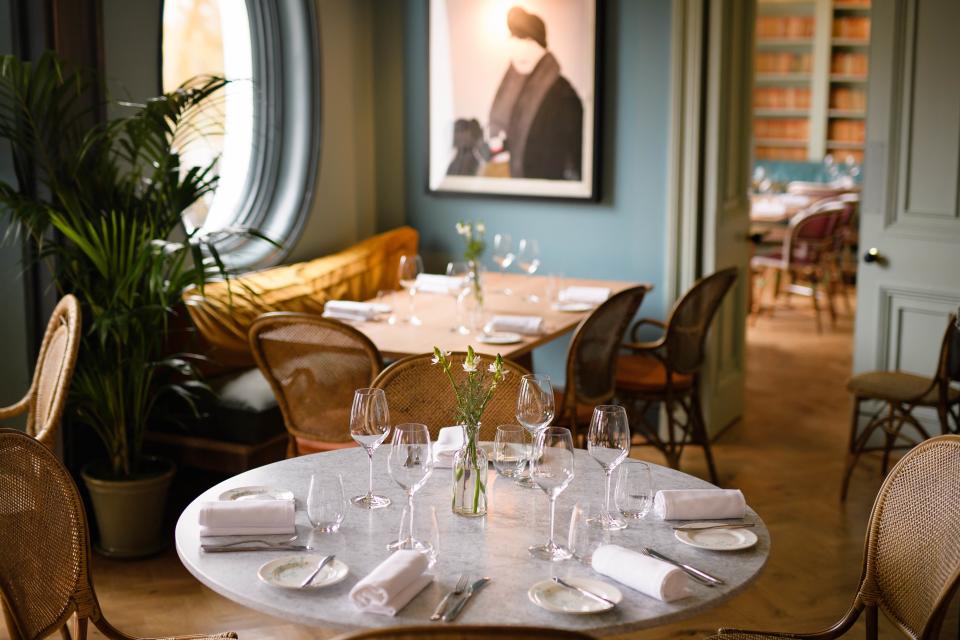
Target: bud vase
[470,476]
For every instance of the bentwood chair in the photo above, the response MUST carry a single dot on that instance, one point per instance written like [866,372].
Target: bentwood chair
[418,391]
[435,632]
[911,560]
[901,393]
[47,396]
[45,546]
[667,370]
[313,366]
[592,358]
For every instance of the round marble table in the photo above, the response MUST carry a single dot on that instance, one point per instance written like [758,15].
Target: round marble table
[494,546]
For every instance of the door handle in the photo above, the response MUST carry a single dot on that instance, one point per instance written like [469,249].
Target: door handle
[873,255]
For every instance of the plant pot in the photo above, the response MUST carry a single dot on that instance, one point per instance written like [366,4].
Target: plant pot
[129,512]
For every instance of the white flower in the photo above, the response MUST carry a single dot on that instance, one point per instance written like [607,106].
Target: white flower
[463,229]
[492,368]
[481,228]
[470,366]
[435,360]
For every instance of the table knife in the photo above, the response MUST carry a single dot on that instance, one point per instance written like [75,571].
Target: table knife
[701,576]
[456,591]
[212,548]
[452,614]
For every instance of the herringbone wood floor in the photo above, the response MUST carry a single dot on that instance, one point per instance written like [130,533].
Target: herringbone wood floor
[786,454]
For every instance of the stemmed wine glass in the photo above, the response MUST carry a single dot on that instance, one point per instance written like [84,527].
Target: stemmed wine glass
[369,426]
[552,470]
[608,441]
[503,255]
[528,259]
[410,268]
[535,411]
[410,464]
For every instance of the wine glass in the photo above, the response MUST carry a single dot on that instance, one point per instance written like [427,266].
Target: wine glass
[528,259]
[460,270]
[410,268]
[325,503]
[552,471]
[369,426]
[503,255]
[608,441]
[410,464]
[535,410]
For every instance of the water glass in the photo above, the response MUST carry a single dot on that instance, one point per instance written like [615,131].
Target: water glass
[426,533]
[584,538]
[634,490]
[326,506]
[510,450]
[369,426]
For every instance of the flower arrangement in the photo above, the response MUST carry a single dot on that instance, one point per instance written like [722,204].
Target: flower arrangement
[473,392]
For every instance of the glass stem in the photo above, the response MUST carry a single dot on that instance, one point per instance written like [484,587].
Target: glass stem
[410,513]
[370,483]
[606,499]
[553,505]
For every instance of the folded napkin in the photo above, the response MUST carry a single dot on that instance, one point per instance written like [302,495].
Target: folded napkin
[434,283]
[526,325]
[649,576]
[586,295]
[699,504]
[389,587]
[449,441]
[247,517]
[352,310]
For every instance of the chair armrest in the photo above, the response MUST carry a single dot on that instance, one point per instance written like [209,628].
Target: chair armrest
[15,409]
[643,346]
[642,321]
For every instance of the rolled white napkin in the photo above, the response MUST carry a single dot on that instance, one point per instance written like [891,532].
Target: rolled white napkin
[649,576]
[353,310]
[699,504]
[247,517]
[435,283]
[526,325]
[449,441]
[392,584]
[586,295]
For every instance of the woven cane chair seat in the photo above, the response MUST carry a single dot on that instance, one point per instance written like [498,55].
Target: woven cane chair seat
[898,386]
[465,633]
[643,372]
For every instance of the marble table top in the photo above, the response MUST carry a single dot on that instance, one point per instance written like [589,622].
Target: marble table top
[494,546]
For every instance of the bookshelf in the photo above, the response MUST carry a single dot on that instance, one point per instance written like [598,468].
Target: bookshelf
[810,79]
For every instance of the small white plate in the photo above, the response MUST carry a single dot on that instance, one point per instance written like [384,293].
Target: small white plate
[574,307]
[500,337]
[717,539]
[559,599]
[289,572]
[256,493]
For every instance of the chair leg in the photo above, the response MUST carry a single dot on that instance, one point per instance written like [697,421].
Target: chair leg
[854,423]
[700,433]
[890,439]
[670,450]
[854,454]
[814,289]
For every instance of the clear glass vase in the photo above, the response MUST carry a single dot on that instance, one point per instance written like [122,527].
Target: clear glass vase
[470,476]
[470,302]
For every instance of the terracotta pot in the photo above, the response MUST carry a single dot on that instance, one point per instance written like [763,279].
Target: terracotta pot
[129,513]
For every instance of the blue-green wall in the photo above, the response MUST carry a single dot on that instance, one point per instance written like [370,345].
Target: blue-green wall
[622,237]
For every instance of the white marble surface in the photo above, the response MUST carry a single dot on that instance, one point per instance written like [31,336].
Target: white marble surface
[494,546]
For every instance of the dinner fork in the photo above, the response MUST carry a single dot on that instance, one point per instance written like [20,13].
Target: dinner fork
[457,590]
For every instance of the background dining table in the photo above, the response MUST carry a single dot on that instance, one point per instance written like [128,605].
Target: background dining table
[494,546]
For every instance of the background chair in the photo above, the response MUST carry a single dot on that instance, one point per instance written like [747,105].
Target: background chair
[668,370]
[436,632]
[45,546]
[47,396]
[911,560]
[313,366]
[592,358]
[901,393]
[418,391]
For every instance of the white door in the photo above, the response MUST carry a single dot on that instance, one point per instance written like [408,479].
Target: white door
[911,205]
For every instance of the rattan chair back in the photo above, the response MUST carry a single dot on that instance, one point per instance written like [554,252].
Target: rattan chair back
[418,391]
[313,366]
[465,633]
[685,337]
[814,231]
[592,354]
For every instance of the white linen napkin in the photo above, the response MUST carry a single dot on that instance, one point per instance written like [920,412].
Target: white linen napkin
[449,441]
[526,325]
[435,283]
[352,310]
[699,504]
[392,584]
[247,517]
[586,295]
[649,576]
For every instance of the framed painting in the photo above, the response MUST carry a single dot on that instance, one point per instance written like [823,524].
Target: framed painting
[513,98]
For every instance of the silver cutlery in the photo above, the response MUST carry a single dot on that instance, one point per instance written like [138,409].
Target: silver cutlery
[457,590]
[326,560]
[700,576]
[589,594]
[231,548]
[451,615]
[705,527]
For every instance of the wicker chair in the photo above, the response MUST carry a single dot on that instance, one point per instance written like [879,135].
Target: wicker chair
[667,370]
[313,366]
[592,358]
[901,393]
[418,391]
[911,567]
[45,400]
[44,546]
[435,632]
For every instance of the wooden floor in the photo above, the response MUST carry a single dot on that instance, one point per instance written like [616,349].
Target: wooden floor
[786,455]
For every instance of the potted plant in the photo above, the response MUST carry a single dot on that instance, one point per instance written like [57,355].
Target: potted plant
[103,204]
